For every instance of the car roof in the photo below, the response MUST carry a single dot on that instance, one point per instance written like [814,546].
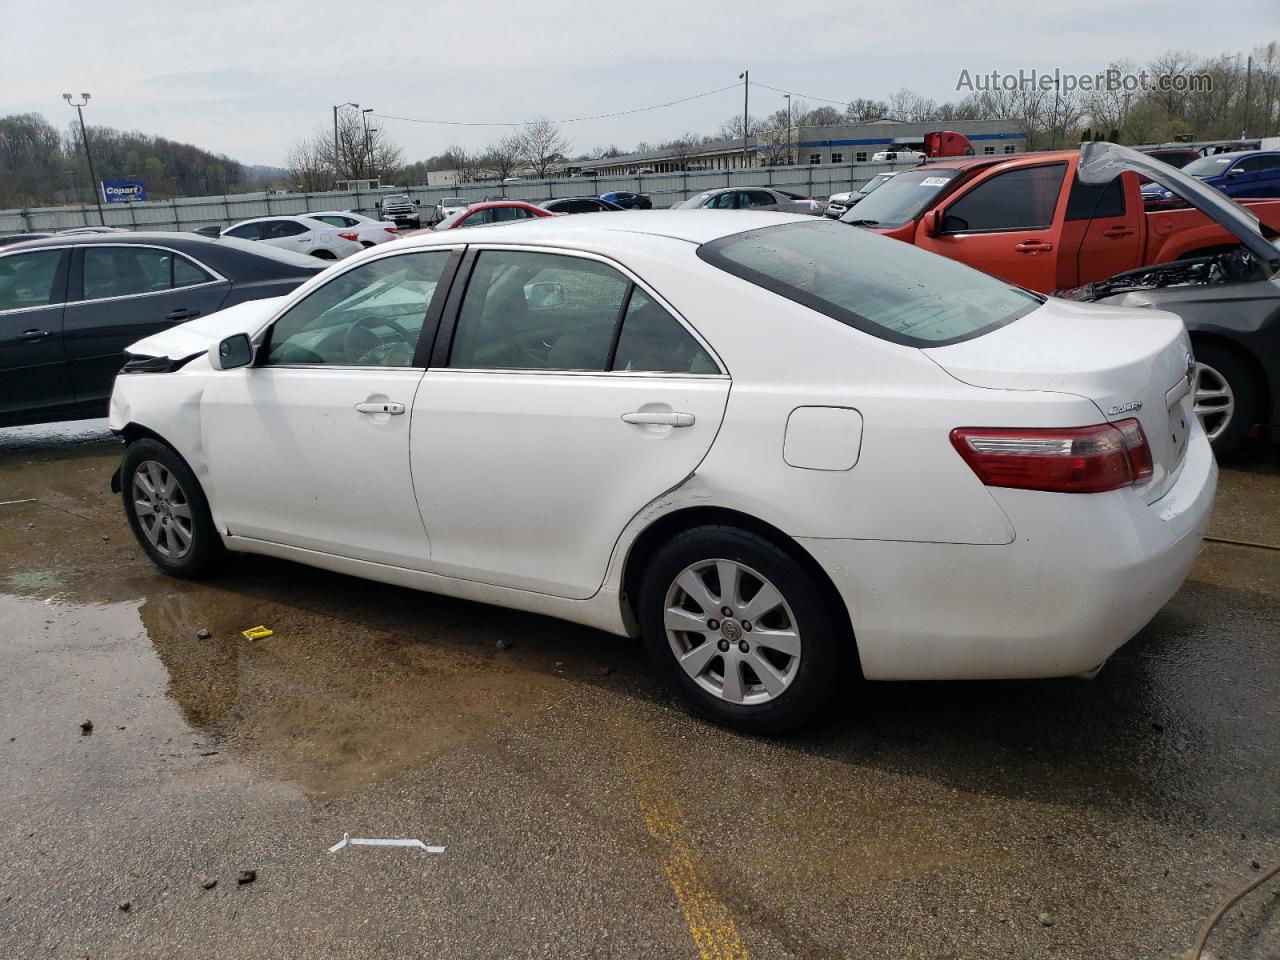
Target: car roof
[617,233]
[151,237]
[1237,154]
[490,204]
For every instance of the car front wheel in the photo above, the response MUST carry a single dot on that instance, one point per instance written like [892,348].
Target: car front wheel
[167,510]
[1224,396]
[742,630]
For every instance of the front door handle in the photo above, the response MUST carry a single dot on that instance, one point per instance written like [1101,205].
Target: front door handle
[30,335]
[659,419]
[182,313]
[1033,246]
[380,406]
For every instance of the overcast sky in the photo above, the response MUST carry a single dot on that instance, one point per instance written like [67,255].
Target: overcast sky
[249,78]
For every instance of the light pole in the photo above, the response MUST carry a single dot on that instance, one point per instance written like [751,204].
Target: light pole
[745,77]
[368,144]
[788,96]
[84,134]
[337,147]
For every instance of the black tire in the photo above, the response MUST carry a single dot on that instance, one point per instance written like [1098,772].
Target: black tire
[204,547]
[822,645]
[1232,368]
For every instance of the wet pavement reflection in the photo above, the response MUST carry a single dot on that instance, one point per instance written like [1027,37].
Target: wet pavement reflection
[584,811]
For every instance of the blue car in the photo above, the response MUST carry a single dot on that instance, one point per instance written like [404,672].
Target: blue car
[1245,173]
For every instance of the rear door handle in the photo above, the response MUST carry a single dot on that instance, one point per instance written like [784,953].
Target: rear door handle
[182,313]
[660,419]
[1117,232]
[1033,246]
[33,335]
[372,406]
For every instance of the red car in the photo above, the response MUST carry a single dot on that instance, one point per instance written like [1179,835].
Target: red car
[487,214]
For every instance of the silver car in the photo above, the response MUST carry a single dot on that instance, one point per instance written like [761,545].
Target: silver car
[751,198]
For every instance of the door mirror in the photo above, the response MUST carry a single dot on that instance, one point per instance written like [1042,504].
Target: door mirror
[1235,171]
[933,223]
[540,296]
[232,352]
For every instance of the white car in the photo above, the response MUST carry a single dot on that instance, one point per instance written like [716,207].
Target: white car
[448,206]
[897,156]
[751,198]
[779,449]
[301,234]
[369,232]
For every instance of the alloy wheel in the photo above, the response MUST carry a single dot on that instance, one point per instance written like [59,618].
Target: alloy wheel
[162,508]
[1215,403]
[732,631]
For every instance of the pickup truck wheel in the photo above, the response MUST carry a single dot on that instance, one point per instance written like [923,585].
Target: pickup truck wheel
[1225,396]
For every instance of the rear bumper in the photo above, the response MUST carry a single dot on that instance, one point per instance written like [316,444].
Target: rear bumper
[1083,575]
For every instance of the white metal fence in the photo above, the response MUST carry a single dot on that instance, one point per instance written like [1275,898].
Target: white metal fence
[816,180]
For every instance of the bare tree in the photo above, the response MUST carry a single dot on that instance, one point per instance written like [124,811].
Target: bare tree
[309,168]
[909,105]
[466,164]
[731,129]
[863,110]
[822,117]
[773,147]
[682,149]
[503,158]
[542,145]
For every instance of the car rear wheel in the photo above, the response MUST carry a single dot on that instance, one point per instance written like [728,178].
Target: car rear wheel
[167,510]
[741,629]
[1224,396]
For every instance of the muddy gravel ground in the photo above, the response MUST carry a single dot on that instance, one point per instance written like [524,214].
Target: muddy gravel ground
[584,813]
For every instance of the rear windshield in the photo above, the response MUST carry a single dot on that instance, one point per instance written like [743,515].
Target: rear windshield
[266,251]
[900,198]
[883,287]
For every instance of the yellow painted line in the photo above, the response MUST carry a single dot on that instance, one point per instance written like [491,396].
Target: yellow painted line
[710,922]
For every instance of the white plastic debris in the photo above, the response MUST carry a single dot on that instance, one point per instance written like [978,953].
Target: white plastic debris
[348,839]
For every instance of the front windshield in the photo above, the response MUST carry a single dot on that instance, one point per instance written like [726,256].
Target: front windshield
[453,202]
[1207,166]
[397,198]
[874,182]
[900,198]
[891,290]
[693,202]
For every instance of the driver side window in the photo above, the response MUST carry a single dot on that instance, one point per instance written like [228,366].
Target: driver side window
[369,316]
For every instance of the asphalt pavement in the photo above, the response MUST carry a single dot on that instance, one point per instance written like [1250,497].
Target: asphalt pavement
[584,813]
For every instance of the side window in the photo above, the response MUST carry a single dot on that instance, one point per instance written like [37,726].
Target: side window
[1091,200]
[724,201]
[653,340]
[125,271]
[371,315]
[246,231]
[505,214]
[757,198]
[186,273]
[1022,199]
[27,280]
[479,218]
[275,229]
[537,311]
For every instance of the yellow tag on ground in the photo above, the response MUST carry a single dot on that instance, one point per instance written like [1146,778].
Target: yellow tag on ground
[257,633]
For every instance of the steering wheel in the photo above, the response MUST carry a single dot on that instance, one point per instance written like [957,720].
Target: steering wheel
[360,339]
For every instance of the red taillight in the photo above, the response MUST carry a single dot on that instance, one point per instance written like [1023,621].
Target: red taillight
[391,229]
[353,237]
[1106,456]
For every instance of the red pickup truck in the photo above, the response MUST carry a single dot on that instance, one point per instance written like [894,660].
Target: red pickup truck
[1028,219]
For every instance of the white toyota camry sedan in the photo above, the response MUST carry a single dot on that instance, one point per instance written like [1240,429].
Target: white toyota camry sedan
[782,450]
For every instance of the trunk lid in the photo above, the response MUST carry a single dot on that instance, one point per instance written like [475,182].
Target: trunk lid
[1129,362]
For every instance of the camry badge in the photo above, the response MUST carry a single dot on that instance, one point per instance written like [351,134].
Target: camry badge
[1132,405]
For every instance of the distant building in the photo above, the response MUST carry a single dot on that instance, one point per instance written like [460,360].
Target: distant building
[841,143]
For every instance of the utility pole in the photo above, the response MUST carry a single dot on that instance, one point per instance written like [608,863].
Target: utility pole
[368,144]
[84,133]
[788,96]
[337,146]
[1248,83]
[745,77]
